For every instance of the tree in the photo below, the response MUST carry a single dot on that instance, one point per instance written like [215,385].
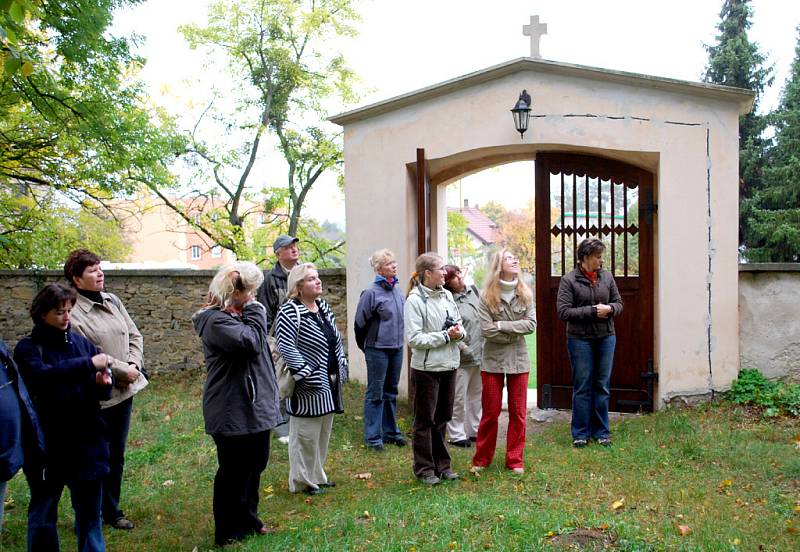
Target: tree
[41,236]
[459,245]
[74,128]
[518,235]
[735,61]
[284,68]
[773,212]
[495,212]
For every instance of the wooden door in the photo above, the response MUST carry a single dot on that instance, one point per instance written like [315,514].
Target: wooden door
[578,197]
[423,204]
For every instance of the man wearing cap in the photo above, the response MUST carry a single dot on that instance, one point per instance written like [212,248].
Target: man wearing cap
[272,292]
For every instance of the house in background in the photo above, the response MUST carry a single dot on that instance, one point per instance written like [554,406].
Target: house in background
[482,232]
[160,238]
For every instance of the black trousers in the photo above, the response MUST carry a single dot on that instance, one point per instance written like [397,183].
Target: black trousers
[118,422]
[433,408]
[241,460]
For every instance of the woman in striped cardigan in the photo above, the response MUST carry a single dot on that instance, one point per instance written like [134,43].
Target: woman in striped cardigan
[305,330]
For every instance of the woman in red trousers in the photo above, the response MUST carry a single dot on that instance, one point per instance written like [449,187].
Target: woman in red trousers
[507,314]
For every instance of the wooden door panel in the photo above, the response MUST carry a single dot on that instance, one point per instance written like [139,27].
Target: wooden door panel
[580,197]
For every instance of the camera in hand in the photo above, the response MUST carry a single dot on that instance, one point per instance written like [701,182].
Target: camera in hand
[449,322]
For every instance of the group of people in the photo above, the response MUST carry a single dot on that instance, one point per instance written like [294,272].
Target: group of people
[66,397]
[467,345]
[66,393]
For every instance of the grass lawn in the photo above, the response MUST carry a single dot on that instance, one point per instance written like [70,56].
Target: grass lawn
[730,478]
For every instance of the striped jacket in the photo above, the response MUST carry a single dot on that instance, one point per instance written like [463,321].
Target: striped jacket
[306,355]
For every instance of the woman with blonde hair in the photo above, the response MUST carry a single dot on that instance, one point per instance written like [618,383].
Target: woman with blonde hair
[379,333]
[305,330]
[240,397]
[433,330]
[507,313]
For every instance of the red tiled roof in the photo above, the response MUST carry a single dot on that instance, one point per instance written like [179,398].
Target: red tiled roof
[480,226]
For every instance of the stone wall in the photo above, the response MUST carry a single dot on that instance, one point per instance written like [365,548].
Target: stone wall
[769,323]
[161,302]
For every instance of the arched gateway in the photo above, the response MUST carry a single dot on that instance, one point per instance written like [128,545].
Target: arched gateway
[660,155]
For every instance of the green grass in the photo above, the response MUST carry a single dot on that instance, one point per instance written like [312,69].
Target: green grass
[731,477]
[530,341]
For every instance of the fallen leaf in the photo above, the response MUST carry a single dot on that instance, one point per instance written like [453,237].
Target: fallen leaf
[452,545]
[617,504]
[684,530]
[168,483]
[268,489]
[309,500]
[365,475]
[167,418]
[736,542]
[724,484]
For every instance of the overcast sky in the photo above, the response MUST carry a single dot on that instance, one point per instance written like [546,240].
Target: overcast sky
[409,44]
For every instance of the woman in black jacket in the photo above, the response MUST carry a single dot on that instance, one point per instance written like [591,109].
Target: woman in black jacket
[588,301]
[240,398]
[66,378]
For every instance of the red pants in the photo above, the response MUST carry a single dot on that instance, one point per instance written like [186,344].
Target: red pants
[491,400]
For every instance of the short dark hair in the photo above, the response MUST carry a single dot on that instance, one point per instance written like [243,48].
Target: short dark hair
[76,263]
[589,247]
[51,296]
[451,271]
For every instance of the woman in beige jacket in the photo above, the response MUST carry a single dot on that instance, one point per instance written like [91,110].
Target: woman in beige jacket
[507,313]
[102,319]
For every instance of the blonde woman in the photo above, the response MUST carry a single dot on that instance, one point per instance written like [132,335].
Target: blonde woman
[507,313]
[240,397]
[433,330]
[309,342]
[379,333]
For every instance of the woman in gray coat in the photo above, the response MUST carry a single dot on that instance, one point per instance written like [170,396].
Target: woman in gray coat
[240,398]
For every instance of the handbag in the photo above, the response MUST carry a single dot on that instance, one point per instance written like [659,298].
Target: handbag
[282,372]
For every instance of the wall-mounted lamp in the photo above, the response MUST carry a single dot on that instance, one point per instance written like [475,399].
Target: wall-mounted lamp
[522,113]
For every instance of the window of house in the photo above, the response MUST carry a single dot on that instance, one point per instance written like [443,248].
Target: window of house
[195,252]
[216,251]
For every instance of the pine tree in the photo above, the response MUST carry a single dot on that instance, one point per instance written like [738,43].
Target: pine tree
[773,213]
[735,61]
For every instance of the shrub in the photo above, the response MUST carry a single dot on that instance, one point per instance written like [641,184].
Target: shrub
[751,387]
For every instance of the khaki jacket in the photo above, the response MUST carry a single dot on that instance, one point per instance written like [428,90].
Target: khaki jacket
[111,329]
[504,349]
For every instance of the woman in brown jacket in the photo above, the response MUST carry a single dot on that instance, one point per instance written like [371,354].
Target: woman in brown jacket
[588,301]
[507,313]
[102,319]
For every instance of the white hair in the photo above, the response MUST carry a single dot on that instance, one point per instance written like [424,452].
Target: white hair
[241,275]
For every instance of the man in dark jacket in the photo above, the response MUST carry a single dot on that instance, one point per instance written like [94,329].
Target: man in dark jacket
[272,294]
[19,425]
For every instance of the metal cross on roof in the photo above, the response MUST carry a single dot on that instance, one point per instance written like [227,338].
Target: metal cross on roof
[535,30]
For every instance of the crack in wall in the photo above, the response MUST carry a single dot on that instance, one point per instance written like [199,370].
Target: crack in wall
[710,273]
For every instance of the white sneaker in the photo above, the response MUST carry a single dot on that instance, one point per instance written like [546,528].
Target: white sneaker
[284,440]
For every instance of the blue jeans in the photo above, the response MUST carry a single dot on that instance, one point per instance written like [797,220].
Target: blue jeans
[380,400]
[43,514]
[118,422]
[591,361]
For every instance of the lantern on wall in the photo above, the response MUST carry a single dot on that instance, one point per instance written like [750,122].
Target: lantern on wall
[521,113]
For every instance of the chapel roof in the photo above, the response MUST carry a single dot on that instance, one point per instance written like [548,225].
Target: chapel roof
[740,96]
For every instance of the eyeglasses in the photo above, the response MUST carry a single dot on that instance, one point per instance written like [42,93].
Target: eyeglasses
[510,258]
